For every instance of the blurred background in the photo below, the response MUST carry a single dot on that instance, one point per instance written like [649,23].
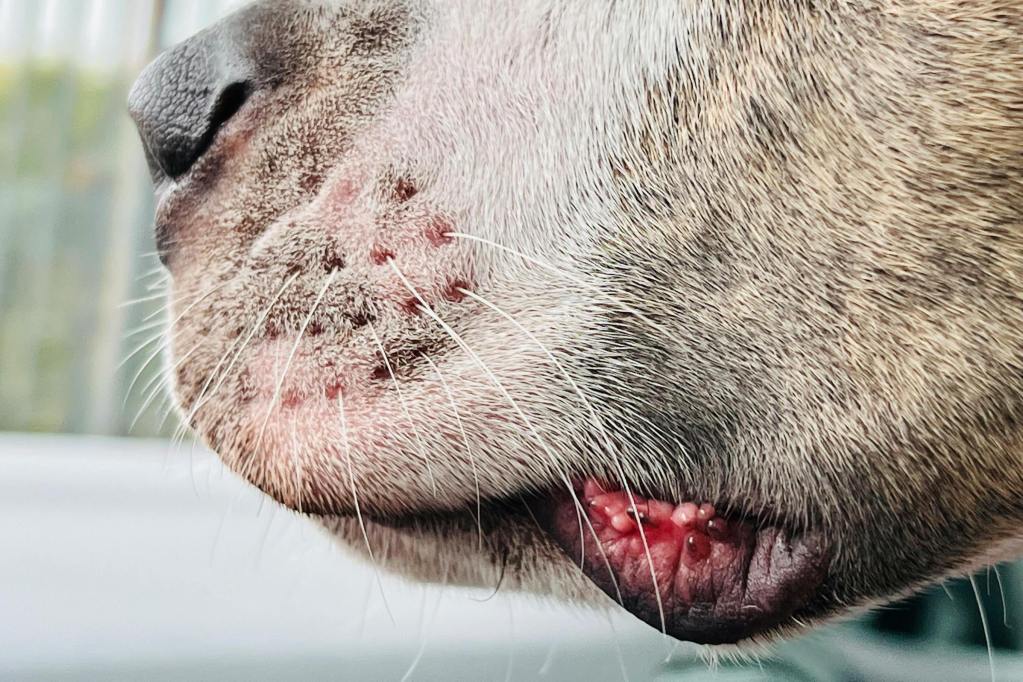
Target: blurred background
[122,556]
[75,202]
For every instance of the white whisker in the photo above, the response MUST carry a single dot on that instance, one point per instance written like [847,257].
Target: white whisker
[1001,591]
[598,423]
[404,408]
[571,278]
[138,349]
[203,397]
[142,299]
[355,501]
[291,357]
[163,334]
[179,299]
[161,380]
[465,440]
[581,513]
[985,626]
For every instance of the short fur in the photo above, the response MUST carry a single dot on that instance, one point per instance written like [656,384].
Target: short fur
[765,253]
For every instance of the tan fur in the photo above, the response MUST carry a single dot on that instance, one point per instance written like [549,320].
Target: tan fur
[840,206]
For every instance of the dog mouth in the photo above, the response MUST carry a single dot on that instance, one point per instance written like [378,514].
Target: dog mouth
[697,571]
[700,572]
[683,567]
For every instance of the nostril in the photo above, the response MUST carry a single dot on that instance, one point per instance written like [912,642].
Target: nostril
[186,96]
[231,99]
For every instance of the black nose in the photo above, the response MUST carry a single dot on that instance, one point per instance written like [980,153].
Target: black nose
[184,97]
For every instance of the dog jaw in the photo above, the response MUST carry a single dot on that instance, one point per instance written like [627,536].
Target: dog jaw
[422,275]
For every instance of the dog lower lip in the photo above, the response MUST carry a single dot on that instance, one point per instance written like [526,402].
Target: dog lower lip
[703,577]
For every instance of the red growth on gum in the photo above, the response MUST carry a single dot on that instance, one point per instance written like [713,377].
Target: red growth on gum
[618,517]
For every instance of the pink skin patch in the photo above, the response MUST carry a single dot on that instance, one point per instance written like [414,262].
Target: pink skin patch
[373,270]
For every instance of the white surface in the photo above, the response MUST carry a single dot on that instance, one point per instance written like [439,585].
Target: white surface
[124,559]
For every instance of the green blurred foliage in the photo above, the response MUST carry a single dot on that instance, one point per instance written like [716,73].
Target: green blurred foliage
[69,156]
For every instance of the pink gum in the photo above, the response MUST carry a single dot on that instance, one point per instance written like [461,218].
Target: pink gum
[617,515]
